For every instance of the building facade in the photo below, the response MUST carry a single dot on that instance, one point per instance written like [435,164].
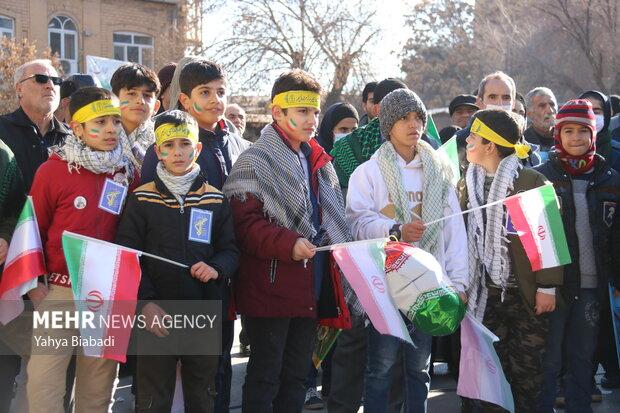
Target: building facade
[150,32]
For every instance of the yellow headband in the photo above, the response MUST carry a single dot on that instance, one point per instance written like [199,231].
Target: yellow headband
[168,131]
[479,128]
[297,99]
[96,109]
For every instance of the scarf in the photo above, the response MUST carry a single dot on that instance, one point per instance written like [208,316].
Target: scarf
[270,171]
[436,187]
[487,243]
[355,149]
[138,142]
[178,185]
[79,155]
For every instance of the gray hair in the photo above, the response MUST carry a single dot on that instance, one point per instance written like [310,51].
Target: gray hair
[500,76]
[539,91]
[19,72]
[234,105]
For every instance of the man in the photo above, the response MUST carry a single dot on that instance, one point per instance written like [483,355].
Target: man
[368,103]
[236,115]
[541,106]
[32,128]
[67,88]
[461,108]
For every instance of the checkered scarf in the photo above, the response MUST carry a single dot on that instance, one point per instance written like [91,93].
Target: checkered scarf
[79,155]
[178,185]
[486,240]
[139,141]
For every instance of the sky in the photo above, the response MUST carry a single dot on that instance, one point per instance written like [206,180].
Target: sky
[384,59]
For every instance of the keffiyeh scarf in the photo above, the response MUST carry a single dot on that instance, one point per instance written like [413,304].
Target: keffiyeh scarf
[178,185]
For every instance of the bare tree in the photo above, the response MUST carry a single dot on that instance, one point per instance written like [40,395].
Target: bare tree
[323,37]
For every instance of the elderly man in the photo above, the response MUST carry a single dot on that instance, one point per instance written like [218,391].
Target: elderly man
[541,108]
[236,115]
[32,128]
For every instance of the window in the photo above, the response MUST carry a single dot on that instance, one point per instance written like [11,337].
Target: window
[133,47]
[7,27]
[63,39]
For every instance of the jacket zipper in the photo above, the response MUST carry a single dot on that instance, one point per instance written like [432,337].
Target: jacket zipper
[272,270]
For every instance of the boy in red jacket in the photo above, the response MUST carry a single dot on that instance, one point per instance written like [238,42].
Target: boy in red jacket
[70,192]
[286,200]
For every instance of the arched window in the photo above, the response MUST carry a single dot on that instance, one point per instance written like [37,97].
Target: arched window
[63,39]
[133,47]
[7,27]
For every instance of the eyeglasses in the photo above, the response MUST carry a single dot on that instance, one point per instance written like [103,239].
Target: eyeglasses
[43,79]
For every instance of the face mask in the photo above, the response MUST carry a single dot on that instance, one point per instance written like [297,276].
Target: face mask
[507,107]
[600,122]
[338,136]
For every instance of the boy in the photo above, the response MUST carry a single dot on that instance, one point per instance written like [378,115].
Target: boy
[504,293]
[583,183]
[286,199]
[137,88]
[404,182]
[159,218]
[203,96]
[70,193]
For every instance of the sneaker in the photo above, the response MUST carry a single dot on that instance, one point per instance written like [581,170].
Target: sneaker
[611,381]
[597,396]
[244,350]
[313,400]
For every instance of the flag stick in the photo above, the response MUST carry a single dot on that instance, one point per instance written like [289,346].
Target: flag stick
[157,257]
[346,244]
[467,211]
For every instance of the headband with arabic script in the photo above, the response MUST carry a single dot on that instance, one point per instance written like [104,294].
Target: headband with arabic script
[168,131]
[297,99]
[96,109]
[479,128]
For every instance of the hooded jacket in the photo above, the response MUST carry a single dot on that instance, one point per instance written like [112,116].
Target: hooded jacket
[603,137]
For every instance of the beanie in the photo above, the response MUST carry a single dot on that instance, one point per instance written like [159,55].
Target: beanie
[386,86]
[397,104]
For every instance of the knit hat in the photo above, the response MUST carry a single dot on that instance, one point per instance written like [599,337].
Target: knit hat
[385,87]
[165,76]
[577,111]
[397,104]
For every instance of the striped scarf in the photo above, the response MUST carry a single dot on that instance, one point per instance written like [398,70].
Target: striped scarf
[486,240]
[436,186]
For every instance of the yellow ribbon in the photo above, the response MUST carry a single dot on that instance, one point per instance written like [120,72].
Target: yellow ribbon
[479,128]
[97,109]
[297,99]
[168,131]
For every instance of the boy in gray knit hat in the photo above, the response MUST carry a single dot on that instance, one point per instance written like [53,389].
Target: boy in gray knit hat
[403,185]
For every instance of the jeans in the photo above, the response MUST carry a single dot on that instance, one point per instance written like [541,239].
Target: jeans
[383,353]
[575,325]
[278,365]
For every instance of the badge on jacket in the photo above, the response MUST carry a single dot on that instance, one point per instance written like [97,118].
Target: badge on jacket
[112,197]
[609,210]
[200,223]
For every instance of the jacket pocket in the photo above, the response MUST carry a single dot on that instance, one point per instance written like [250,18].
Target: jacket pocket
[273,265]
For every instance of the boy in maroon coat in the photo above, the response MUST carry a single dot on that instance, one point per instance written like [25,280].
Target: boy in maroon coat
[286,200]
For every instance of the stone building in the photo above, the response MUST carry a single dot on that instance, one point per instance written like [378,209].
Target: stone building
[151,32]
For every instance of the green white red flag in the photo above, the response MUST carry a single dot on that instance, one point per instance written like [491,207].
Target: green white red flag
[535,216]
[105,279]
[24,264]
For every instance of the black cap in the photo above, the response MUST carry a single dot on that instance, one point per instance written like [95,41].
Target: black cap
[385,87]
[462,100]
[75,82]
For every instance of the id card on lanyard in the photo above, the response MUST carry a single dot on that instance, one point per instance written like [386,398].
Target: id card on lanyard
[112,197]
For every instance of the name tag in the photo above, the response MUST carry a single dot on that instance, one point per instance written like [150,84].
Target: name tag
[112,197]
[200,223]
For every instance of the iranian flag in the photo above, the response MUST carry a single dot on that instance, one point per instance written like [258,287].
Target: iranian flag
[105,279]
[363,265]
[24,263]
[431,129]
[449,151]
[536,218]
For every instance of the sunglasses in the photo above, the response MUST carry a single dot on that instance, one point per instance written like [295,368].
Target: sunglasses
[43,79]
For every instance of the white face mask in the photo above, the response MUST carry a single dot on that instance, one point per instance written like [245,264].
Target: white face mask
[338,136]
[507,107]
[600,122]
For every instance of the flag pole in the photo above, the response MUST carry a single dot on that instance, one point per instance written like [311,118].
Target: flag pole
[146,254]
[346,244]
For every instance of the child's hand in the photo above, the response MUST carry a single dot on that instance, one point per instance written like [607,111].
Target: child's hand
[152,311]
[412,231]
[38,293]
[302,250]
[203,272]
[545,303]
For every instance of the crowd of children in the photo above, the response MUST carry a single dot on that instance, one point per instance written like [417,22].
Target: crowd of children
[263,208]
